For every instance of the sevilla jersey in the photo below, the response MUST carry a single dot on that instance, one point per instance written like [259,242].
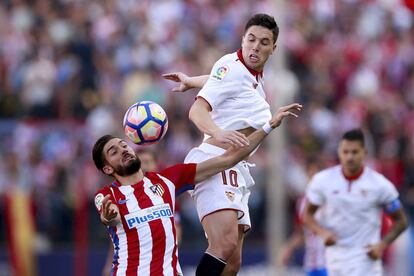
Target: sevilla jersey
[145,240]
[236,94]
[353,206]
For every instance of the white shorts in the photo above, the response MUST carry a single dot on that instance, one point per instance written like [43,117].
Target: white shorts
[345,261]
[224,191]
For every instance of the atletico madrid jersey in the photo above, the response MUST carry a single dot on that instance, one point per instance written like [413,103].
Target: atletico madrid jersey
[145,239]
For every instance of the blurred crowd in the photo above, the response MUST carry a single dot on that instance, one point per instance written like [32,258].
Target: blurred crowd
[68,72]
[69,69]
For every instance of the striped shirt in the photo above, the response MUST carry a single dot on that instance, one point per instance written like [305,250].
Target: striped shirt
[145,239]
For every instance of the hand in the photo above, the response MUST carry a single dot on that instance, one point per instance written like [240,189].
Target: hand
[329,238]
[283,112]
[108,213]
[376,251]
[234,138]
[183,80]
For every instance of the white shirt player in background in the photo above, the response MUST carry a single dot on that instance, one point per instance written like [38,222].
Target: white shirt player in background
[228,108]
[353,197]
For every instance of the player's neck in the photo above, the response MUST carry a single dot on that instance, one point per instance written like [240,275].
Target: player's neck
[130,179]
[352,174]
[254,72]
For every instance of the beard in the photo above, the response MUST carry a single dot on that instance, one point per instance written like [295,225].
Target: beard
[132,167]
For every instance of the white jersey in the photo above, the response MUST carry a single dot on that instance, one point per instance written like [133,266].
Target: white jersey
[236,94]
[352,206]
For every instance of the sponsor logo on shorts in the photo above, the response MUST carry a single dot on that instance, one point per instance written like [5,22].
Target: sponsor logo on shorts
[98,201]
[221,72]
[230,195]
[144,216]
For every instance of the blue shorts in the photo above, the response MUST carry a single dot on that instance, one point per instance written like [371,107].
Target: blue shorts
[317,272]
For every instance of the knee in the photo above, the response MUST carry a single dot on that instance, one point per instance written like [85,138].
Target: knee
[224,247]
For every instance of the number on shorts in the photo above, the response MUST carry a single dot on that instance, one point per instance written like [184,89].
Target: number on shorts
[232,177]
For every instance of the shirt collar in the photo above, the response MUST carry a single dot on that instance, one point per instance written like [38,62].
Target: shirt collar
[353,177]
[252,71]
[117,184]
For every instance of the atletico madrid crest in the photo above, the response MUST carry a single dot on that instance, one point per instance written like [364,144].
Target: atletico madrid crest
[157,189]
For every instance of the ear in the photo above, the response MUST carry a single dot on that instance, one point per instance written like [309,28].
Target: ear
[274,47]
[108,170]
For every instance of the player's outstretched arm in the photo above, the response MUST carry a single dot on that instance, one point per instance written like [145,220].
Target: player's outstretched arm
[235,154]
[200,116]
[185,82]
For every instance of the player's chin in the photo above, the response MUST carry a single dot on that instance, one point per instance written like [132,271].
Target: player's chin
[255,65]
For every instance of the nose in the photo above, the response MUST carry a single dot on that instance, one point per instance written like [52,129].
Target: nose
[256,46]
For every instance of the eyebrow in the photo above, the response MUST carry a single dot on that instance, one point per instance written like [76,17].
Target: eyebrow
[108,150]
[263,38]
[120,142]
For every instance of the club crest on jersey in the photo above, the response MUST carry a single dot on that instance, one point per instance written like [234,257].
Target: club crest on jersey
[221,72]
[230,195]
[98,201]
[255,85]
[157,189]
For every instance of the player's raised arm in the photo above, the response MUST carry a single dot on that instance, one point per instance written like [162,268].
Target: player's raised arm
[199,115]
[235,154]
[185,82]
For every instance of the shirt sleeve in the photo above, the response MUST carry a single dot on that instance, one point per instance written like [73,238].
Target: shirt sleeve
[388,192]
[314,193]
[99,196]
[182,175]
[223,81]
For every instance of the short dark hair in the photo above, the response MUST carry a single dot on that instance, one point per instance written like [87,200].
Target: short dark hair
[354,135]
[263,20]
[97,151]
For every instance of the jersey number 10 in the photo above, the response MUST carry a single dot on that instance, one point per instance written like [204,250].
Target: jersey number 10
[231,179]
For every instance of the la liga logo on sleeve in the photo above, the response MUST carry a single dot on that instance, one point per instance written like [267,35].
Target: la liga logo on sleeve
[98,201]
[221,72]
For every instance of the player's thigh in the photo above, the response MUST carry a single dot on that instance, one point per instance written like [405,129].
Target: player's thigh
[221,227]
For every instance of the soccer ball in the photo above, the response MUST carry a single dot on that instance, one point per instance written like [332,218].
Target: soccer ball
[145,123]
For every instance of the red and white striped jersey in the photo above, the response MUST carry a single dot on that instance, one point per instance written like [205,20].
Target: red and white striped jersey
[145,240]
